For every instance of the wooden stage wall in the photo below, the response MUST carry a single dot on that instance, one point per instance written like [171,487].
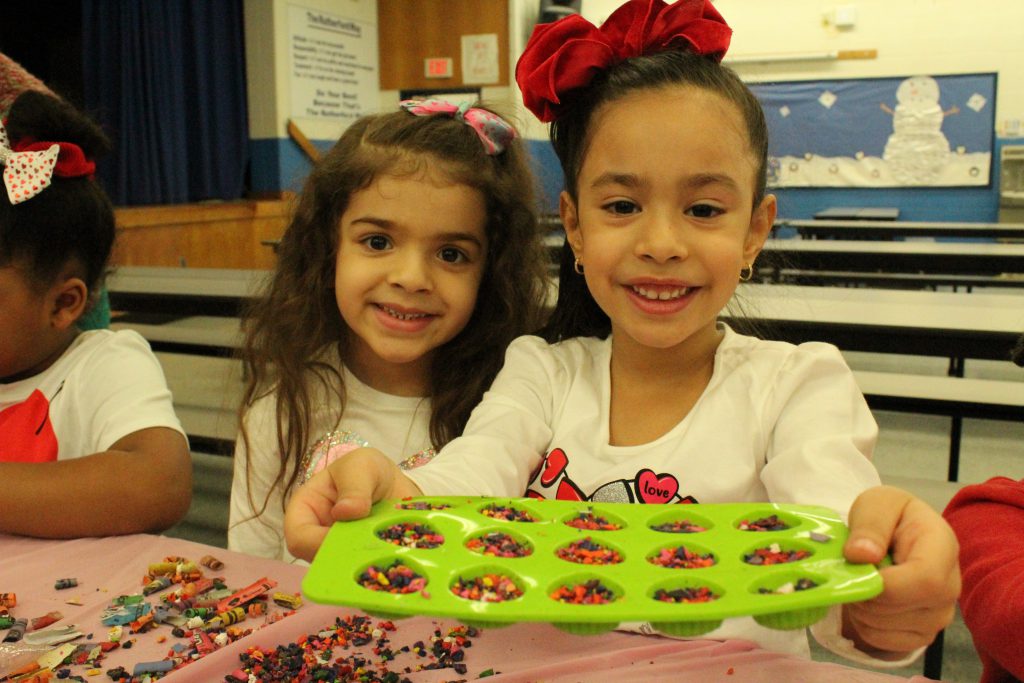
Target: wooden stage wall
[213,235]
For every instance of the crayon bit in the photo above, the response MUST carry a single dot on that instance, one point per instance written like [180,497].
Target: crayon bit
[17,631]
[8,600]
[156,585]
[6,621]
[46,620]
[246,594]
[160,666]
[211,562]
[128,599]
[287,600]
[44,676]
[61,584]
[162,569]
[223,619]
[17,674]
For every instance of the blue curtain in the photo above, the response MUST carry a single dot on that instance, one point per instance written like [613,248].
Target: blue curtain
[167,81]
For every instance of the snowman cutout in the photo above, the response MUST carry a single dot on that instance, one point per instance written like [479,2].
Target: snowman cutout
[917,150]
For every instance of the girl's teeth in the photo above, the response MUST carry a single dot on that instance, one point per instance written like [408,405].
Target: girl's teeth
[663,295]
[403,316]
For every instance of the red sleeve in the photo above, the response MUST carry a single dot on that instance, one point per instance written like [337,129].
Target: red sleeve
[989,522]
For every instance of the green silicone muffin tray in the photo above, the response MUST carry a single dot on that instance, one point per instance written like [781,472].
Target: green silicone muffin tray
[352,547]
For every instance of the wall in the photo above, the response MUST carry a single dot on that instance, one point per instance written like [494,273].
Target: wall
[911,37]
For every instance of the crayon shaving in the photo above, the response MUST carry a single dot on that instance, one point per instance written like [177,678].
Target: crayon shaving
[327,655]
[498,544]
[506,513]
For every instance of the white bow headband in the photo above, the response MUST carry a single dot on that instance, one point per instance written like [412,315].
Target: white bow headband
[26,174]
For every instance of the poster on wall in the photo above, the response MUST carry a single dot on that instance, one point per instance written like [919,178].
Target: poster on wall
[916,131]
[334,67]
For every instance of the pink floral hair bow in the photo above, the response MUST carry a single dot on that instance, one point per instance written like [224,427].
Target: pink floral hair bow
[29,166]
[566,55]
[494,132]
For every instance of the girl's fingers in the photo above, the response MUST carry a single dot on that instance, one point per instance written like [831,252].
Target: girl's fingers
[874,517]
[360,479]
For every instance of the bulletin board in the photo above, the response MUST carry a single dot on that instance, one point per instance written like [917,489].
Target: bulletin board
[412,31]
[913,131]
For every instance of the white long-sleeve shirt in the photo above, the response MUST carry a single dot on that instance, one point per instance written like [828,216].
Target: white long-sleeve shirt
[777,422]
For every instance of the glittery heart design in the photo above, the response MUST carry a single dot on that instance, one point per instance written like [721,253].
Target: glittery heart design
[656,488]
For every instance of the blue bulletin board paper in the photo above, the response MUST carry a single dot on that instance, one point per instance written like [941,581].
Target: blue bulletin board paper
[916,131]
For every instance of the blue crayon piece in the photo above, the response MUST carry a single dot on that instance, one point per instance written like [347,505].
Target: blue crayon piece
[160,666]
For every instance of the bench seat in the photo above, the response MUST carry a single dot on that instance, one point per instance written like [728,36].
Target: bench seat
[956,397]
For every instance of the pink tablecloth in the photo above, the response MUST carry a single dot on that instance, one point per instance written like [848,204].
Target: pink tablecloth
[108,567]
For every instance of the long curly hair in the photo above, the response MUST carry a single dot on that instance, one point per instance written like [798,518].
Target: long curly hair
[292,331]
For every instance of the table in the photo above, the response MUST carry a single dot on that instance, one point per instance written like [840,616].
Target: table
[202,335]
[945,324]
[881,229]
[189,291]
[107,567]
[859,213]
[977,258]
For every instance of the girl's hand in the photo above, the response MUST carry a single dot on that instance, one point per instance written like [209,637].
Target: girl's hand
[922,585]
[344,491]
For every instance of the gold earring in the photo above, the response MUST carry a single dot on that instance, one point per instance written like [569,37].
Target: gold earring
[747,272]
[577,266]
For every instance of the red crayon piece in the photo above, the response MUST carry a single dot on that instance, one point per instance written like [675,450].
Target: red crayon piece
[246,594]
[45,620]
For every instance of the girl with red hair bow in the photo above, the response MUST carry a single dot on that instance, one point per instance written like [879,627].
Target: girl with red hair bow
[637,392]
[89,442]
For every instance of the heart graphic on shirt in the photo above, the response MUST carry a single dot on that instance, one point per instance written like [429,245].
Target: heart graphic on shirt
[554,465]
[656,488]
[27,431]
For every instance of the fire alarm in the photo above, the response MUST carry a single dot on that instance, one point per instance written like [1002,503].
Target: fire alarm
[437,67]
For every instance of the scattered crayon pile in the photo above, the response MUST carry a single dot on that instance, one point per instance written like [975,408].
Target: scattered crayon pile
[497,544]
[201,612]
[411,535]
[591,592]
[771,523]
[682,526]
[681,557]
[506,513]
[679,595]
[592,522]
[487,588]
[395,578]
[586,551]
[327,656]
[773,554]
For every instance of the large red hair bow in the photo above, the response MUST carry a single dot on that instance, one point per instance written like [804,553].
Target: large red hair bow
[566,55]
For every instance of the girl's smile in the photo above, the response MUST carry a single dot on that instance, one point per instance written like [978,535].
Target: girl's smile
[656,298]
[403,320]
